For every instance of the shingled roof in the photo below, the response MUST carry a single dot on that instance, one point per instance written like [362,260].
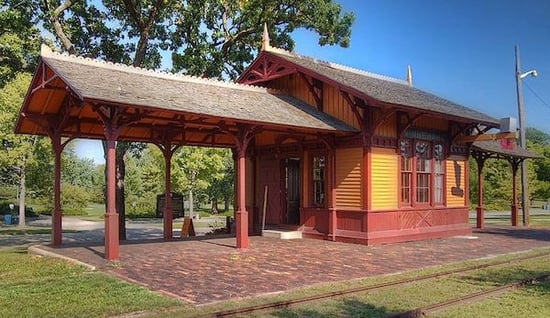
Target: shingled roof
[119,84]
[383,88]
[496,148]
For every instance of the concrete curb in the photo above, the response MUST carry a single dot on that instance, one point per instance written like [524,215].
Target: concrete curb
[37,250]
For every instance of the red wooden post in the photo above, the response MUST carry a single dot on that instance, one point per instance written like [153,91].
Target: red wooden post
[168,212]
[332,219]
[111,217]
[241,214]
[514,194]
[480,210]
[57,212]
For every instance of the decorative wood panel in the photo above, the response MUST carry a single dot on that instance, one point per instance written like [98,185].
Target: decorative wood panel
[348,177]
[431,123]
[416,219]
[336,106]
[388,128]
[456,189]
[351,221]
[384,167]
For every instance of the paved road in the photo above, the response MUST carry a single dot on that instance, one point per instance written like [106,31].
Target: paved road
[90,231]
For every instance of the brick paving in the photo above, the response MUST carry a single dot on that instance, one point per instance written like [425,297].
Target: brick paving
[211,269]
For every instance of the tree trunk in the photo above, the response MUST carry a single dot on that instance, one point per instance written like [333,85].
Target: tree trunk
[22,194]
[215,205]
[191,203]
[120,197]
[226,202]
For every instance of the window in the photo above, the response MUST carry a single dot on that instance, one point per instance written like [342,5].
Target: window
[422,173]
[406,176]
[318,180]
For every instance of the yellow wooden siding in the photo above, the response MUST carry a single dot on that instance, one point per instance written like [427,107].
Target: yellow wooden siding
[453,168]
[348,177]
[384,166]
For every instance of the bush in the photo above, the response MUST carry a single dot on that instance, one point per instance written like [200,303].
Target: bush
[74,200]
[140,207]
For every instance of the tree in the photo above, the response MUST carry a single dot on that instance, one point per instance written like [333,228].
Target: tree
[16,159]
[196,168]
[215,38]
[19,41]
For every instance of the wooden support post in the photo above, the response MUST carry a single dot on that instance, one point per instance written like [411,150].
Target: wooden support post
[333,218]
[57,212]
[241,214]
[480,210]
[514,216]
[111,217]
[168,214]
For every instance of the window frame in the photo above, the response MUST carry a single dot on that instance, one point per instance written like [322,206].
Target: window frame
[312,201]
[408,151]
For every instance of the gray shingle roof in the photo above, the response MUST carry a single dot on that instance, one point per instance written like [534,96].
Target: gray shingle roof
[495,147]
[115,83]
[384,89]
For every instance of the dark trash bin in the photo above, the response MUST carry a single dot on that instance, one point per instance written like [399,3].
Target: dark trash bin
[7,219]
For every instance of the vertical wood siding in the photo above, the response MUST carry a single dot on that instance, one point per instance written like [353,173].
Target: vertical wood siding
[388,128]
[348,177]
[333,102]
[431,123]
[384,167]
[454,168]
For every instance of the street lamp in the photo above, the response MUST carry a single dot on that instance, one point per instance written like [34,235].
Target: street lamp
[525,203]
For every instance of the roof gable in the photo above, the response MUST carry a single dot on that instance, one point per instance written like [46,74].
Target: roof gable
[370,86]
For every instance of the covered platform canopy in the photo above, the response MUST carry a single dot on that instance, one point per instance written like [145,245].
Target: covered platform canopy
[73,97]
[499,149]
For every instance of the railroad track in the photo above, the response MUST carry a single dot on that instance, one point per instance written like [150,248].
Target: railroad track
[422,311]
[288,303]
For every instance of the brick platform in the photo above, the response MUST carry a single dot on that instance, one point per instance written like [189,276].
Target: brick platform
[209,270]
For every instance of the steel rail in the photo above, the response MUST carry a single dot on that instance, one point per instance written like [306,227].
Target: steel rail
[481,295]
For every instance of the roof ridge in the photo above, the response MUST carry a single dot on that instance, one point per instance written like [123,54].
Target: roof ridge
[49,53]
[338,66]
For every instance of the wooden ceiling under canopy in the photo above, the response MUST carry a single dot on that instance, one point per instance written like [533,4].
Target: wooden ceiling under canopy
[72,96]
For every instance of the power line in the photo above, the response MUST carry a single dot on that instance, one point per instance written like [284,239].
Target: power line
[537,95]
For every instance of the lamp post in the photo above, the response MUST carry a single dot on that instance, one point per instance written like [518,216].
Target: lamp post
[525,203]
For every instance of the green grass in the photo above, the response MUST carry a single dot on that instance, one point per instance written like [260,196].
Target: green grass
[33,286]
[504,219]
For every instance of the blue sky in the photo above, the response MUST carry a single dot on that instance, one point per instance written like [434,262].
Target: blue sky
[462,50]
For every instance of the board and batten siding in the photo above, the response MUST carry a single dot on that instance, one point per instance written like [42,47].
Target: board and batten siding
[384,167]
[348,177]
[456,171]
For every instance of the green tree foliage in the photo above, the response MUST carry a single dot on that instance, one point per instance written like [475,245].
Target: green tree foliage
[215,38]
[19,40]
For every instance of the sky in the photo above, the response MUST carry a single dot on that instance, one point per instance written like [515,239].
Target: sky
[461,50]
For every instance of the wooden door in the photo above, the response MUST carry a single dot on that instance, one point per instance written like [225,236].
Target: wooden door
[292,191]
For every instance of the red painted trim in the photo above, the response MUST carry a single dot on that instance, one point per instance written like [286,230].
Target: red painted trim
[57,211]
[111,217]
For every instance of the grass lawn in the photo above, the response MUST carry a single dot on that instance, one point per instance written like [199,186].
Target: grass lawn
[504,219]
[33,286]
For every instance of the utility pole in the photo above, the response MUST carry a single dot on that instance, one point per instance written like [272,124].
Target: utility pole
[525,202]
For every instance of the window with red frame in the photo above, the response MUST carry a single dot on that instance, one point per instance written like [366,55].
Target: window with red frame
[318,177]
[422,173]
